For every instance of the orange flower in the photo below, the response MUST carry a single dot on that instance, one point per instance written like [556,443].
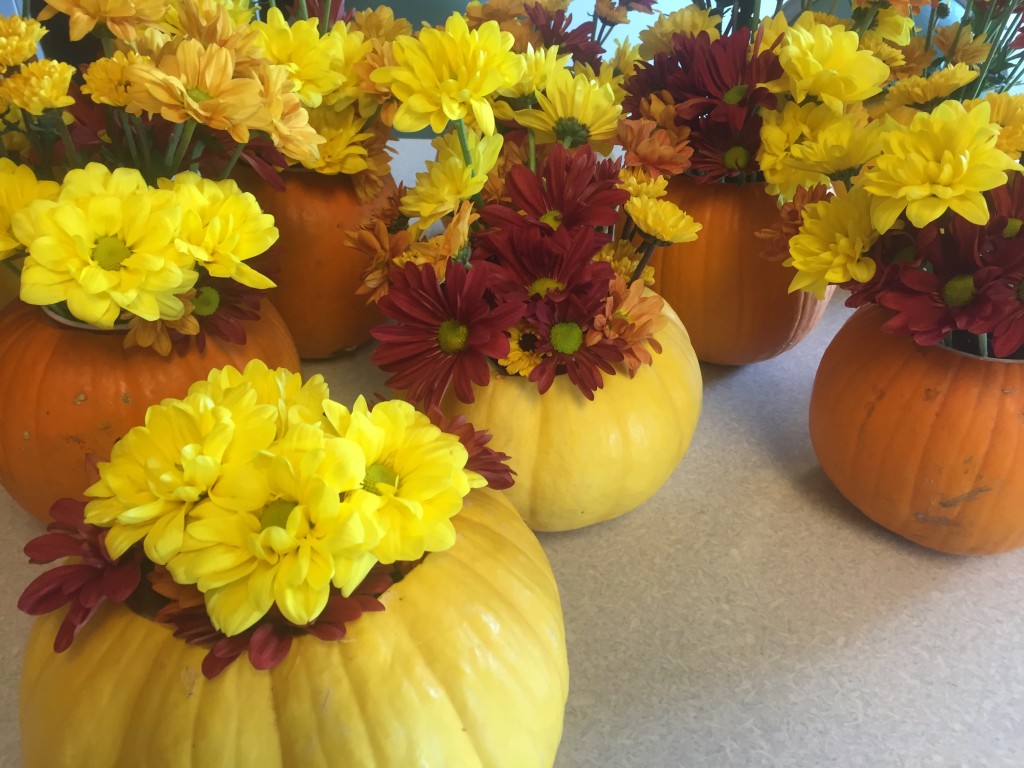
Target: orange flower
[121,17]
[632,319]
[283,116]
[969,49]
[653,149]
[154,333]
[382,250]
[188,80]
[917,59]
[369,182]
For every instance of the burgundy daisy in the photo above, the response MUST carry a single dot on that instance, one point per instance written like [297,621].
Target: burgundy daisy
[441,334]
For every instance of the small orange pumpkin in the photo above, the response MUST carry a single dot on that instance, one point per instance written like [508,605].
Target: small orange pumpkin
[66,393]
[734,303]
[925,441]
[316,273]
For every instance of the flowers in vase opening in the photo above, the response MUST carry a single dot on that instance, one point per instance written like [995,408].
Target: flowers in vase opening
[521,250]
[256,509]
[904,199]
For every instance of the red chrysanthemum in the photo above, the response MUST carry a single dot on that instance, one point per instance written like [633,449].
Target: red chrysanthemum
[649,78]
[892,253]
[84,584]
[222,307]
[486,462]
[562,329]
[565,191]
[720,153]
[553,27]
[441,334]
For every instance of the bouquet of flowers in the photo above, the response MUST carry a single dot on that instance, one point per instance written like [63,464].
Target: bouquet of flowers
[539,262]
[256,509]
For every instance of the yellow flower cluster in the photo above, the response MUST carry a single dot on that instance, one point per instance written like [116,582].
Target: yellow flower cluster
[38,86]
[263,492]
[107,243]
[19,39]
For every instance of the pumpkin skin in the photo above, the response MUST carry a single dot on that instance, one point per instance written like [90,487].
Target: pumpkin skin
[580,462]
[925,441]
[316,273]
[66,393]
[734,303]
[10,284]
[465,667]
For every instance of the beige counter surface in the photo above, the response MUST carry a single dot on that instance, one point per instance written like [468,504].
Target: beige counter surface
[746,615]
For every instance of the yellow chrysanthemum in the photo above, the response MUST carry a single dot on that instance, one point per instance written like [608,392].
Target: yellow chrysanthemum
[181,15]
[522,355]
[380,24]
[540,65]
[415,475]
[448,180]
[690,20]
[450,74]
[304,53]
[921,93]
[826,63]
[606,74]
[892,55]
[625,58]
[350,59]
[38,86]
[106,80]
[944,160]
[1008,114]
[662,220]
[293,543]
[832,243]
[917,57]
[296,401]
[284,118]
[807,144]
[639,183]
[159,472]
[222,227]
[893,26]
[772,28]
[107,244]
[188,80]
[345,136]
[574,111]
[624,259]
[123,18]
[18,189]
[970,50]
[19,40]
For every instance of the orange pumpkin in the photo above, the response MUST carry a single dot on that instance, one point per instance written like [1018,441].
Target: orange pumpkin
[316,273]
[9,286]
[734,303]
[67,393]
[925,441]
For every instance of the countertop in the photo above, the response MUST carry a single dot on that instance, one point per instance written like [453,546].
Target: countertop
[746,615]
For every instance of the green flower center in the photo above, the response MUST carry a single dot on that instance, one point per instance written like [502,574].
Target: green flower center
[571,133]
[197,94]
[735,94]
[206,302]
[276,514]
[542,285]
[1020,292]
[110,252]
[736,158]
[452,335]
[959,291]
[553,219]
[905,255]
[379,473]
[1012,228]
[566,337]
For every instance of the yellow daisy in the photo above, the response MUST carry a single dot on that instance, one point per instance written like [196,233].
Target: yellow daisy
[19,40]
[345,135]
[522,355]
[690,20]
[38,86]
[18,189]
[574,111]
[304,53]
[921,93]
[662,220]
[123,18]
[1008,114]
[639,183]
[106,80]
[450,74]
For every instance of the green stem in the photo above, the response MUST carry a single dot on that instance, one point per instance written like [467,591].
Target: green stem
[865,21]
[69,146]
[983,344]
[628,230]
[932,21]
[325,24]
[531,143]
[9,263]
[172,144]
[956,38]
[232,161]
[467,157]
[645,259]
[302,12]
[183,144]
[994,51]
[129,139]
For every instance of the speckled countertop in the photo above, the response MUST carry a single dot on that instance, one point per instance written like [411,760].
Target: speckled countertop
[746,615]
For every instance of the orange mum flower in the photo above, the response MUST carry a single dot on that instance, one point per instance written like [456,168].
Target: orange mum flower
[653,148]
[631,319]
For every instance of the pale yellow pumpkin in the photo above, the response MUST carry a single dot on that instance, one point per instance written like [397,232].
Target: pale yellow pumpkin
[580,462]
[465,668]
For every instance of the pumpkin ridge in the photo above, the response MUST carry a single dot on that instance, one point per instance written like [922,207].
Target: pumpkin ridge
[484,522]
[287,672]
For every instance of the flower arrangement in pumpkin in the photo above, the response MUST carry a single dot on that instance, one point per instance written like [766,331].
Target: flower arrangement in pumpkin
[501,258]
[256,509]
[912,205]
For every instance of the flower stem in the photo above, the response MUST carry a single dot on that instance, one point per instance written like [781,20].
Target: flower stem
[183,144]
[69,146]
[983,345]
[460,129]
[9,263]
[301,11]
[129,139]
[531,143]
[996,50]
[645,258]
[325,23]
[232,161]
[956,38]
[628,230]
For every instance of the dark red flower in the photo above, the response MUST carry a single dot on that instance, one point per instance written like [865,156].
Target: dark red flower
[222,307]
[268,642]
[720,153]
[486,462]
[562,328]
[441,334]
[892,253]
[83,584]
[650,77]
[529,266]
[1007,295]
[553,27]
[566,191]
